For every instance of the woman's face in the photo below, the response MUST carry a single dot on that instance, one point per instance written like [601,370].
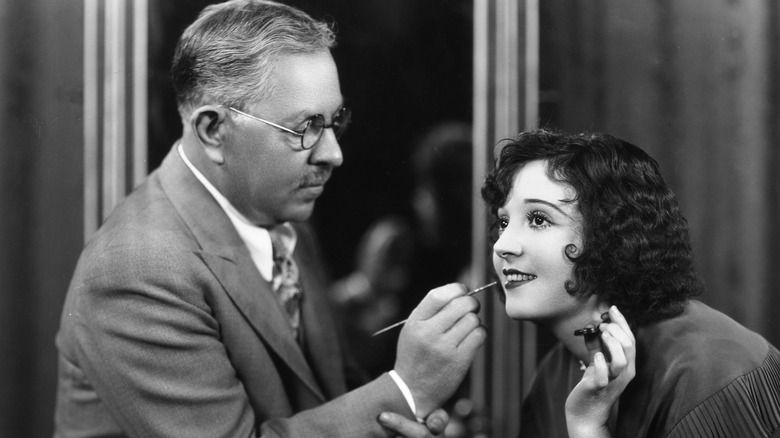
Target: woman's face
[535,227]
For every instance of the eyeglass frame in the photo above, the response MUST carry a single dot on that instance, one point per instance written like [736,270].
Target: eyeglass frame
[302,134]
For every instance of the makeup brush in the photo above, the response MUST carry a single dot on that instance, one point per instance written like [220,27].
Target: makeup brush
[399,323]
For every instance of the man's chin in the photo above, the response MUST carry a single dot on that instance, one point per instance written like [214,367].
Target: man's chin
[301,212]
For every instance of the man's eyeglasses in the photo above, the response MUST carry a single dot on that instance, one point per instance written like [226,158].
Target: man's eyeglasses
[315,126]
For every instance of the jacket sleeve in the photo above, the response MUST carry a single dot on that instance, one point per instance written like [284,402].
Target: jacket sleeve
[150,346]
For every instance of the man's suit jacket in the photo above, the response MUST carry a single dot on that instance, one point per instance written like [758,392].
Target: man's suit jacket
[168,329]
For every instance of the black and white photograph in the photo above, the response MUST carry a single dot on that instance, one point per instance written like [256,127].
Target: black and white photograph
[390,218]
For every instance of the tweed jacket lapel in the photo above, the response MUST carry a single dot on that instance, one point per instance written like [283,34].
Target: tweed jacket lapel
[227,257]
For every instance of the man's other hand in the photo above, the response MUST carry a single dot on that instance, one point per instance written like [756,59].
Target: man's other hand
[434,425]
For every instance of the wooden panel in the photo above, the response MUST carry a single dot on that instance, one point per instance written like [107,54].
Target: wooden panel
[695,84]
[772,165]
[115,113]
[17,155]
[43,183]
[505,102]
[40,199]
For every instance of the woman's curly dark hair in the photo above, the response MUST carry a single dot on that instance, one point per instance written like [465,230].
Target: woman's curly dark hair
[636,251]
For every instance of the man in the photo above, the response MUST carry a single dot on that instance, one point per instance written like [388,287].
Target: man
[186,317]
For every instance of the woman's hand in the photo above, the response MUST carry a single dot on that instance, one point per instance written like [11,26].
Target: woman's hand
[590,402]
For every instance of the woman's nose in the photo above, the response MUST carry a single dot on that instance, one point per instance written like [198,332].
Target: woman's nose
[507,245]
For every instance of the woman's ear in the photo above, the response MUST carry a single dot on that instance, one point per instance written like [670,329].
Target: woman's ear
[207,123]
[600,309]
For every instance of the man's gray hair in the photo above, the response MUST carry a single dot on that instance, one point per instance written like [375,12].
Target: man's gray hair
[226,56]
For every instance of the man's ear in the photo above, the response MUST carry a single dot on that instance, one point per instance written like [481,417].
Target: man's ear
[207,123]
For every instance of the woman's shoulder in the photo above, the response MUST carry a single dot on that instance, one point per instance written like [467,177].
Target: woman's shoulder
[749,405]
[710,370]
[704,338]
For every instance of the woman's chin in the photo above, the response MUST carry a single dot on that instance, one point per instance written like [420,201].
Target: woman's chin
[518,313]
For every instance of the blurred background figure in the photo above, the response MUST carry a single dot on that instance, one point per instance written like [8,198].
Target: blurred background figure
[399,259]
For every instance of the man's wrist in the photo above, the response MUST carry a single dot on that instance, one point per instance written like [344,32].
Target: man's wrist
[586,430]
[407,394]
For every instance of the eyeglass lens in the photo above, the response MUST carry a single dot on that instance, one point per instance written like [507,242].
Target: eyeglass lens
[317,125]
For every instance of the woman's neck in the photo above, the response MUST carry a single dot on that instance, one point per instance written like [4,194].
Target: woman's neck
[590,315]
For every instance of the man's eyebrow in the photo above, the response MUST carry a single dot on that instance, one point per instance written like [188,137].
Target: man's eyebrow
[306,114]
[548,203]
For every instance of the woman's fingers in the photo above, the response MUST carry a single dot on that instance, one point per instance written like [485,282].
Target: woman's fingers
[600,371]
[620,343]
[603,382]
[617,355]
[620,326]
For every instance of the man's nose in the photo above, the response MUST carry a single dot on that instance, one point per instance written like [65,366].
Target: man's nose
[327,150]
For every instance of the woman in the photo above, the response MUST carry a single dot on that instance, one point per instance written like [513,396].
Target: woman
[586,223]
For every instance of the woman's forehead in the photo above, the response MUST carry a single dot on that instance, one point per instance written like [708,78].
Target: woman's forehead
[532,181]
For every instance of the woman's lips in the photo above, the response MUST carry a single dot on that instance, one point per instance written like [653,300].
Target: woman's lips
[515,278]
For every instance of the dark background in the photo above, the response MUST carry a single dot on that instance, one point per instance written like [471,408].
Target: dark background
[404,65]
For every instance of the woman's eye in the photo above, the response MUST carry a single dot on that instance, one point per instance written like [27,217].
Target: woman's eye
[538,220]
[503,223]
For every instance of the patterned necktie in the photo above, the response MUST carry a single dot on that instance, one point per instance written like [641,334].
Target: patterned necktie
[286,280]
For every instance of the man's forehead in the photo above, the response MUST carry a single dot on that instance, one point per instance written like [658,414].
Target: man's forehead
[304,83]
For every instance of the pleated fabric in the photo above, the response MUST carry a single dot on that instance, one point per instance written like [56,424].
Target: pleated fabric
[748,407]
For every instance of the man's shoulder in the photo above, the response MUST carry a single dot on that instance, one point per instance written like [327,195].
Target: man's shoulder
[143,232]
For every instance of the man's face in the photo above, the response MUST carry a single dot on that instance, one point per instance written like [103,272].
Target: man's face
[268,176]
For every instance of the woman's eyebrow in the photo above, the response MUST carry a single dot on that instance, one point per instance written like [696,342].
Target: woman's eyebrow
[548,203]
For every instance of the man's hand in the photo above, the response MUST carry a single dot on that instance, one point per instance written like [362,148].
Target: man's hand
[434,425]
[438,344]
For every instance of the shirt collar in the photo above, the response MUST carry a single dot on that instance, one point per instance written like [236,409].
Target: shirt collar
[257,239]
